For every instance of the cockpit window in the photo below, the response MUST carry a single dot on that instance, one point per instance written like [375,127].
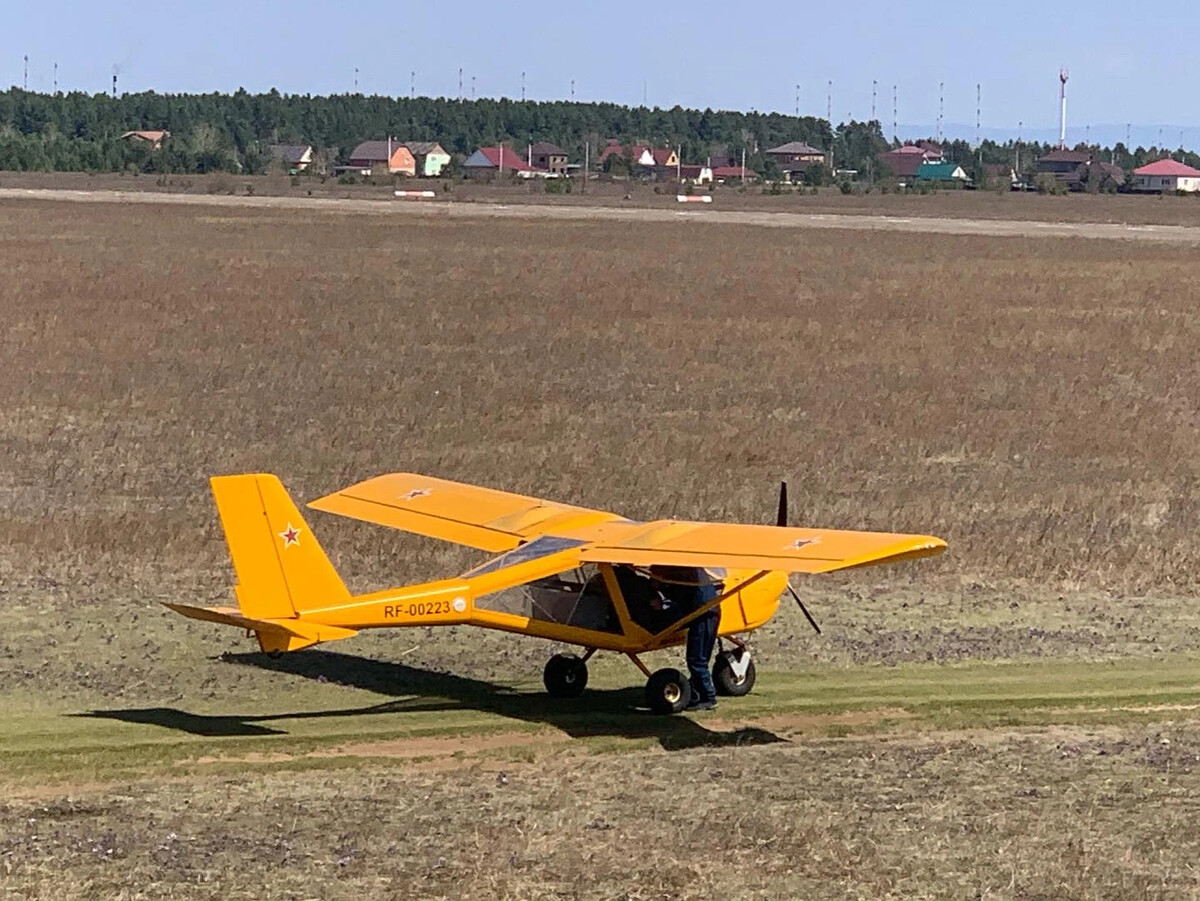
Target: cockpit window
[532,550]
[578,597]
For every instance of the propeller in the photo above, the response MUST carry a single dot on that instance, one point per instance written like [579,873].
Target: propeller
[781,520]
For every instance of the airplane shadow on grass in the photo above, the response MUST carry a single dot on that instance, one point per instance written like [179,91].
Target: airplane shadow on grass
[598,713]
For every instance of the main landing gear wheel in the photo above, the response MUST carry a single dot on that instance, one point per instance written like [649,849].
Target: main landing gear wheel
[733,673]
[668,691]
[565,676]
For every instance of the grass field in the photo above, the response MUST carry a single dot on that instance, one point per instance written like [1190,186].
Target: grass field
[1016,719]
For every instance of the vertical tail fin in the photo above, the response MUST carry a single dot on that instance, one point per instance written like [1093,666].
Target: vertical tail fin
[280,566]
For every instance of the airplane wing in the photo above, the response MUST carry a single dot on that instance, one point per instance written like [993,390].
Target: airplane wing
[792,550]
[452,511]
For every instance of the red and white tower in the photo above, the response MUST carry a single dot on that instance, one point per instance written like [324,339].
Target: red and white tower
[1062,116]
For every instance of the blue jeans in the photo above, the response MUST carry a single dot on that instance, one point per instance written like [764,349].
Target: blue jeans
[701,639]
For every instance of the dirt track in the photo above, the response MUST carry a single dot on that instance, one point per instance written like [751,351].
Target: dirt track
[1169,234]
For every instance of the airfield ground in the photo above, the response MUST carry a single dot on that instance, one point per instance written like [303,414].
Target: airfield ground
[1017,719]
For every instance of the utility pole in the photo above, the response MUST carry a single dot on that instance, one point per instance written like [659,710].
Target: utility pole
[874,88]
[829,103]
[25,83]
[797,101]
[460,96]
[412,84]
[356,79]
[587,161]
[522,85]
[472,87]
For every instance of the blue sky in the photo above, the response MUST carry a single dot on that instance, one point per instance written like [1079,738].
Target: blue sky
[723,55]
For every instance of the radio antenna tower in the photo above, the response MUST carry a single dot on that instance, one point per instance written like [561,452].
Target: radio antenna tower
[895,116]
[1063,75]
[978,112]
[941,108]
[829,104]
[874,89]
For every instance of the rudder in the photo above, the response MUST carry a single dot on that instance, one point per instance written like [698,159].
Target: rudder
[281,568]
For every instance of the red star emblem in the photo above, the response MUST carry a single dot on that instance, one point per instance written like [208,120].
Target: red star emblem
[291,535]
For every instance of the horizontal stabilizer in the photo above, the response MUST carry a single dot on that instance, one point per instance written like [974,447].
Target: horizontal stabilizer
[273,634]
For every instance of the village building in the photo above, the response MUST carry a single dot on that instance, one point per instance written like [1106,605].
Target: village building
[661,161]
[903,162]
[795,153]
[295,158]
[943,173]
[153,138]
[430,157]
[547,157]
[1166,176]
[492,162]
[700,175]
[388,157]
[1077,168]
[726,174]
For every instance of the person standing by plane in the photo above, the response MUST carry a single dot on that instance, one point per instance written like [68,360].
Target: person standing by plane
[689,588]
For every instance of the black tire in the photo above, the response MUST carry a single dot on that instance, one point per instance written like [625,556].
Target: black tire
[668,691]
[727,681]
[565,676]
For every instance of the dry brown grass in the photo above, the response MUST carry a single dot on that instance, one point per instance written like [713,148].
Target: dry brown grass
[1034,403]
[1064,814]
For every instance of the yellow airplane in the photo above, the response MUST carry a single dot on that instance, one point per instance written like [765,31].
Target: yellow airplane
[570,574]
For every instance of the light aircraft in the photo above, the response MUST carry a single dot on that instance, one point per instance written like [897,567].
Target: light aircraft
[583,577]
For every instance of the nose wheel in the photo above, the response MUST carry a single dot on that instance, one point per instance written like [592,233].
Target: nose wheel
[733,672]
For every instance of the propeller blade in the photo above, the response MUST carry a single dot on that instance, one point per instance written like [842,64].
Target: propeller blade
[812,622]
[781,518]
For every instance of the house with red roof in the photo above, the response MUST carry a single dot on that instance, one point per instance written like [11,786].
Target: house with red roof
[153,138]
[388,157]
[489,162]
[662,160]
[724,174]
[903,162]
[1167,175]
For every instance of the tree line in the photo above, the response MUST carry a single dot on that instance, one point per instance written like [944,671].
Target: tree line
[233,132]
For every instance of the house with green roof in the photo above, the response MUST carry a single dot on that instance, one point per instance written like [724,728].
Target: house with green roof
[947,173]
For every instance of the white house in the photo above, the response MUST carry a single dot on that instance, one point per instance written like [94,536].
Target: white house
[1166,175]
